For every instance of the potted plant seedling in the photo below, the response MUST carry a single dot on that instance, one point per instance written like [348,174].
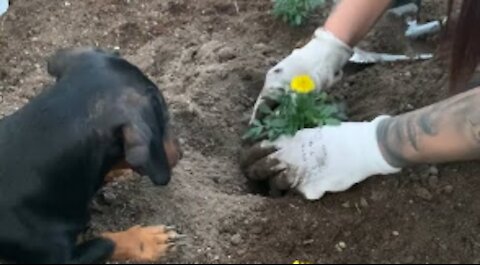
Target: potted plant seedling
[295,12]
[300,106]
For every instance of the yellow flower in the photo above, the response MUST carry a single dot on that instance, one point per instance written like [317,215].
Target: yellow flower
[302,84]
[300,262]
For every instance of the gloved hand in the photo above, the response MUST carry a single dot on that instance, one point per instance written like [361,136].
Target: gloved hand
[322,58]
[320,160]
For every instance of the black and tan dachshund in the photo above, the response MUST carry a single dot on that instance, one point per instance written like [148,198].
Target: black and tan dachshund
[55,152]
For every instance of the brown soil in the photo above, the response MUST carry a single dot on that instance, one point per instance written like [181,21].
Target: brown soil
[209,58]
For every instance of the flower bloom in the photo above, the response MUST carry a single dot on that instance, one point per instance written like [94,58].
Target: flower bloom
[302,84]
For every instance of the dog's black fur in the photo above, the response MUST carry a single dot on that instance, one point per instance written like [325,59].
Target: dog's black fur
[57,149]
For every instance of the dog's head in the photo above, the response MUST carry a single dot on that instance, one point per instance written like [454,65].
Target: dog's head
[149,145]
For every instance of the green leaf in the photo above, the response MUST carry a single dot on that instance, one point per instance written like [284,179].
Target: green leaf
[341,116]
[253,133]
[332,122]
[264,109]
[295,12]
[272,135]
[329,110]
[298,20]
[322,97]
[279,123]
[257,123]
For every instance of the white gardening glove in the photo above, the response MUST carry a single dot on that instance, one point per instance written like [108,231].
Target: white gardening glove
[322,59]
[3,6]
[316,161]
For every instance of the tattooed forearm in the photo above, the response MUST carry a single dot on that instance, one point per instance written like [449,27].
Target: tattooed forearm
[443,132]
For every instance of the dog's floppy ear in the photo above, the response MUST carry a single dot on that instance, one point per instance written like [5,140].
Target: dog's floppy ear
[145,152]
[63,59]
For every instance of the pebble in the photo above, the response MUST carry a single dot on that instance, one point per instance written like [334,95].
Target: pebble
[346,204]
[109,197]
[424,194]
[241,252]
[308,242]
[433,170]
[341,246]
[260,46]
[236,239]
[395,233]
[448,189]
[226,54]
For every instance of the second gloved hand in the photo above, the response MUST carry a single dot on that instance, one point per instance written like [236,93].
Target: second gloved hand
[320,160]
[322,59]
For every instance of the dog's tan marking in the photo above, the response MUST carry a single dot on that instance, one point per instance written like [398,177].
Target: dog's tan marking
[141,244]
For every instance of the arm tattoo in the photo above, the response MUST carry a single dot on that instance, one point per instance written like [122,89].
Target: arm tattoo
[444,132]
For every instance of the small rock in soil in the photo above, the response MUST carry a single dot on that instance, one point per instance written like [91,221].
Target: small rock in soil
[236,239]
[241,252]
[433,170]
[424,194]
[109,197]
[308,242]
[448,189]
[226,54]
[346,205]
[341,246]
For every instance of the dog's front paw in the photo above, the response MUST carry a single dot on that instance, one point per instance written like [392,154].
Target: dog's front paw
[143,244]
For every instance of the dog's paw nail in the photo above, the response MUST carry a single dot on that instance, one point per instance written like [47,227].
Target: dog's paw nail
[170,228]
[180,237]
[176,238]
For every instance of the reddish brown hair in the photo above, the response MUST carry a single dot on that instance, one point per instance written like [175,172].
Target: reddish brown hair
[463,33]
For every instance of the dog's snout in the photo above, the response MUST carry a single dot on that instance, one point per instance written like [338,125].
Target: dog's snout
[173,150]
